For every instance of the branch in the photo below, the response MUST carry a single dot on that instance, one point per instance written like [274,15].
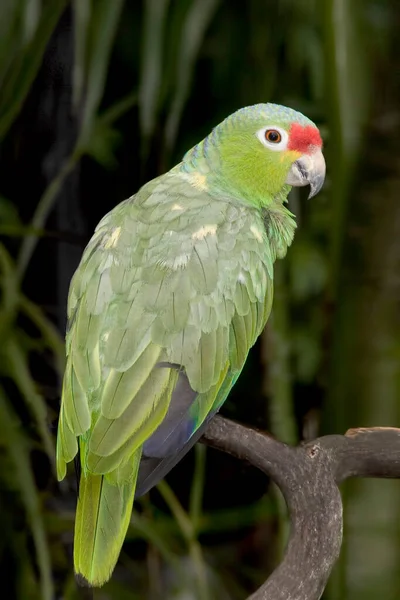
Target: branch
[308,477]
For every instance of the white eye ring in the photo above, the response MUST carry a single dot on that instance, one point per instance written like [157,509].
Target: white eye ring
[279,145]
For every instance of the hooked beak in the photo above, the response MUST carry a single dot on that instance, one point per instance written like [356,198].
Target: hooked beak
[309,169]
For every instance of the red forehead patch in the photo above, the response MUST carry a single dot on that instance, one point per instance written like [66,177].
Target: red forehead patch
[303,139]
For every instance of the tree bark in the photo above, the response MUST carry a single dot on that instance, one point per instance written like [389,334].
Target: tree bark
[308,477]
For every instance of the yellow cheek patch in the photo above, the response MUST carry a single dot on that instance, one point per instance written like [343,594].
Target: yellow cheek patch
[290,155]
[113,238]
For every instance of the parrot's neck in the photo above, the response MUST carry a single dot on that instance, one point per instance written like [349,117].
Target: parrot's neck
[205,166]
[280,225]
[201,167]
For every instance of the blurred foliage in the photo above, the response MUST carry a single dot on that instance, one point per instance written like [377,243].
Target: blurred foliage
[96,97]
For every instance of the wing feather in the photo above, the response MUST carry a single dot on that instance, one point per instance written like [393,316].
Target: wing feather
[171,276]
[109,434]
[121,387]
[116,439]
[76,409]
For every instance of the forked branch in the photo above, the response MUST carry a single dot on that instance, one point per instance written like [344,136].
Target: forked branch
[308,476]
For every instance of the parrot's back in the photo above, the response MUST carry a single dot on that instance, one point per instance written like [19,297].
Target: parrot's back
[171,293]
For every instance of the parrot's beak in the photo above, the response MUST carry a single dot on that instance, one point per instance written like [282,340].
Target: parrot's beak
[310,170]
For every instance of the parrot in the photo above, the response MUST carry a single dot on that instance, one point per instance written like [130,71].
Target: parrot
[172,291]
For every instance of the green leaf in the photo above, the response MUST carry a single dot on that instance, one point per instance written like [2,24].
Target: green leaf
[196,23]
[187,528]
[196,492]
[118,109]
[151,71]
[8,212]
[105,138]
[16,445]
[49,332]
[94,45]
[102,144]
[42,211]
[346,66]
[9,288]
[26,48]
[152,534]
[82,15]
[20,372]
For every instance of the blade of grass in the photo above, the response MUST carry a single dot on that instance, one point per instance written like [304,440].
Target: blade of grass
[155,12]
[31,17]
[150,533]
[197,21]
[118,109]
[230,519]
[8,280]
[21,231]
[196,492]
[25,66]
[42,211]
[278,384]
[19,454]
[104,138]
[189,534]
[277,345]
[82,14]
[9,287]
[347,102]
[48,198]
[348,99]
[11,36]
[49,332]
[181,516]
[22,377]
[99,36]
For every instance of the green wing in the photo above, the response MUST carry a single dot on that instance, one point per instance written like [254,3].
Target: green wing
[175,283]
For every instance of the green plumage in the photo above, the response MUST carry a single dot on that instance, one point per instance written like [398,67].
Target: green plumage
[172,291]
[102,519]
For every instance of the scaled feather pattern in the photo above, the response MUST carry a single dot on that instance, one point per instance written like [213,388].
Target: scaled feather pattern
[171,293]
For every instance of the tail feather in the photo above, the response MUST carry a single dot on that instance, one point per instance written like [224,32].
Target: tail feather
[102,518]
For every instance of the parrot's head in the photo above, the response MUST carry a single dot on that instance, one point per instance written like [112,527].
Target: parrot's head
[260,151]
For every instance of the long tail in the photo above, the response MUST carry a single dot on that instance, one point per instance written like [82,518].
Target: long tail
[102,518]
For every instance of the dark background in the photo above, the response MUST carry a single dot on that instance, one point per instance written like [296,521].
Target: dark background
[97,97]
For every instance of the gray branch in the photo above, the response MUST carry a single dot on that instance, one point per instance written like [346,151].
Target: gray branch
[308,476]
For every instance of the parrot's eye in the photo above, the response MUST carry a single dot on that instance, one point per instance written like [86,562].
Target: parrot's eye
[273,137]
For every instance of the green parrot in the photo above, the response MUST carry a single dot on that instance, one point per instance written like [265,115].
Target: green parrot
[171,293]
